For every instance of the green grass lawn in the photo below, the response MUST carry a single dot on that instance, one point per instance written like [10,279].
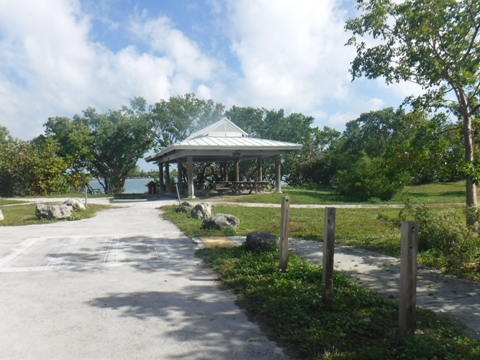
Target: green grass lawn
[356,324]
[358,227]
[17,215]
[439,193]
[9,202]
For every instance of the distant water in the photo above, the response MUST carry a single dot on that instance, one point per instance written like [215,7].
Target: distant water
[132,186]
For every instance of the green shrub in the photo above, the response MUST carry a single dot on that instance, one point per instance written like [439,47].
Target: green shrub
[369,178]
[444,240]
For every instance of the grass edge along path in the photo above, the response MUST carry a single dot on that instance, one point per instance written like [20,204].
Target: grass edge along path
[437,193]
[357,324]
[19,215]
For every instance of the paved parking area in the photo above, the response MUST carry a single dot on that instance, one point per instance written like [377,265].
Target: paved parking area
[88,252]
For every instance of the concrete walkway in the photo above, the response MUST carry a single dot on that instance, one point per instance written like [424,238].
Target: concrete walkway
[122,285]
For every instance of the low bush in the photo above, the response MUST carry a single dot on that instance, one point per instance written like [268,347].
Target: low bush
[369,178]
[444,240]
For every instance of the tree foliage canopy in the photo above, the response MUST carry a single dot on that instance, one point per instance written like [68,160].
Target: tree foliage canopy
[107,145]
[433,43]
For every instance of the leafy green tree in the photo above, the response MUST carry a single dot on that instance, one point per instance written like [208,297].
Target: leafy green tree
[433,43]
[75,148]
[46,171]
[369,178]
[375,146]
[106,146]
[175,119]
[118,140]
[274,125]
[318,169]
[436,150]
[30,167]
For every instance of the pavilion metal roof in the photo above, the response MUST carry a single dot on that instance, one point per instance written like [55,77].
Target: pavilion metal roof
[221,141]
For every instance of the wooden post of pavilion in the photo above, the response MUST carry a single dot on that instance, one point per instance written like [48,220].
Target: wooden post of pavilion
[225,171]
[259,168]
[237,170]
[160,177]
[167,177]
[180,176]
[191,188]
[278,175]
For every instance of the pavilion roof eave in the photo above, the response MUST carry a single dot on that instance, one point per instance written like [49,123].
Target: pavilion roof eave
[217,153]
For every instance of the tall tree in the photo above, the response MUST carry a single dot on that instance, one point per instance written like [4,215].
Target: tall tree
[30,167]
[119,139]
[108,145]
[175,119]
[434,43]
[74,147]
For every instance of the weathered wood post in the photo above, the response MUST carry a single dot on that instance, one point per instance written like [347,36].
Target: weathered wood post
[328,251]
[408,279]
[161,178]
[278,175]
[191,188]
[167,177]
[284,227]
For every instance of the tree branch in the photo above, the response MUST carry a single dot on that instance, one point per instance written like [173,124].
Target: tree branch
[475,33]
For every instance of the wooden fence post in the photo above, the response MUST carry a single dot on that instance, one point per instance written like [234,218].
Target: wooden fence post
[284,227]
[328,251]
[408,279]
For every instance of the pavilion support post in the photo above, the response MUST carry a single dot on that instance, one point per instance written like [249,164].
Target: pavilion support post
[191,188]
[237,170]
[160,177]
[180,176]
[167,176]
[278,174]
[225,171]
[259,168]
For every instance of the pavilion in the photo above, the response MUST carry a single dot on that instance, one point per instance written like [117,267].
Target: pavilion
[224,142]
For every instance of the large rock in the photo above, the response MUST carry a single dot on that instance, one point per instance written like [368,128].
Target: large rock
[1,216]
[184,207]
[43,211]
[221,221]
[261,241]
[201,211]
[76,204]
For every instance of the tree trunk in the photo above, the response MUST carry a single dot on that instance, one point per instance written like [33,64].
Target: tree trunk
[471,188]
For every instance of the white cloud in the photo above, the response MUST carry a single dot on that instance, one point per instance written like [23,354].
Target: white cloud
[339,119]
[50,66]
[289,55]
[292,53]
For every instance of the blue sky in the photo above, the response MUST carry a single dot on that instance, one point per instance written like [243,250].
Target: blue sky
[59,57]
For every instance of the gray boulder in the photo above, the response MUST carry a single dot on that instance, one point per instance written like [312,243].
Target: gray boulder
[43,211]
[201,211]
[1,216]
[261,241]
[221,221]
[184,207]
[76,204]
